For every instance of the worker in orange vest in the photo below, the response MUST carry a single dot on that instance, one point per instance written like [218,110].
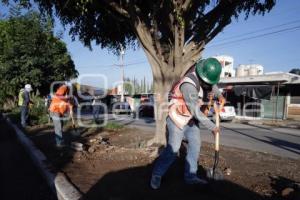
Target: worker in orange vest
[60,105]
[185,118]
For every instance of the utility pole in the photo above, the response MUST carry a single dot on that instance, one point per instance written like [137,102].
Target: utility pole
[122,68]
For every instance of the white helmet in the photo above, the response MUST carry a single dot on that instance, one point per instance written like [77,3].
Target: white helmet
[28,87]
[68,83]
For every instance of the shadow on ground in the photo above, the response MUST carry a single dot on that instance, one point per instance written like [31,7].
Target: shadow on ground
[133,183]
[19,177]
[285,145]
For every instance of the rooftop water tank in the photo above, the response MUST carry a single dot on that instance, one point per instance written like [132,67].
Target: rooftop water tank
[253,71]
[242,71]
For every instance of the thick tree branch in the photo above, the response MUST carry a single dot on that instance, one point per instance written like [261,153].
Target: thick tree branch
[204,25]
[190,14]
[224,22]
[146,40]
[178,46]
[192,53]
[116,7]
[186,4]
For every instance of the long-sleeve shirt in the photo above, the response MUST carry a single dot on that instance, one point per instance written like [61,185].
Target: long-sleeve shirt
[190,95]
[26,98]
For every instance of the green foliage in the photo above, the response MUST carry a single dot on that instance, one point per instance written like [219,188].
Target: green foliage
[113,126]
[111,23]
[161,27]
[38,112]
[132,86]
[30,53]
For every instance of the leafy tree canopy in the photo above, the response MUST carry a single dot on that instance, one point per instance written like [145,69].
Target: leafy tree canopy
[114,22]
[30,53]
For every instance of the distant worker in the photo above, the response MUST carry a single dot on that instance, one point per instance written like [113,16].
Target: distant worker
[24,103]
[187,96]
[47,100]
[59,107]
[96,108]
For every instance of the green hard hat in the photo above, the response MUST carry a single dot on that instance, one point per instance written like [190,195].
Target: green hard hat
[209,70]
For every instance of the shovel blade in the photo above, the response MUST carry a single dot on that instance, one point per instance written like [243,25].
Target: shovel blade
[214,175]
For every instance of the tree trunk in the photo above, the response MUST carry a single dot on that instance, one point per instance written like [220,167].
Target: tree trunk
[161,110]
[164,77]
[166,70]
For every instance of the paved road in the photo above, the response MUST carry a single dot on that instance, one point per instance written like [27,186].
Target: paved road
[283,142]
[19,179]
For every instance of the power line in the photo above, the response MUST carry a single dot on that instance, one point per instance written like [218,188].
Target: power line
[142,62]
[97,66]
[295,28]
[257,36]
[135,63]
[260,30]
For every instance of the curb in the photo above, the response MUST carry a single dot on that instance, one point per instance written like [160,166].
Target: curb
[291,126]
[57,181]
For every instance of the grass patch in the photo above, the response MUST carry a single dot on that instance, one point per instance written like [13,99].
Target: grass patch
[113,126]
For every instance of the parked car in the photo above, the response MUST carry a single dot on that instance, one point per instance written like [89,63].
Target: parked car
[121,108]
[146,110]
[226,114]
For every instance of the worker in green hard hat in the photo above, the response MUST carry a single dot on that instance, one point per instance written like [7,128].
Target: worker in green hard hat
[185,118]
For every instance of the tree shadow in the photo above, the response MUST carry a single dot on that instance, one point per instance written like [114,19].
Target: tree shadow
[279,184]
[44,139]
[149,120]
[19,178]
[133,183]
[268,129]
[288,146]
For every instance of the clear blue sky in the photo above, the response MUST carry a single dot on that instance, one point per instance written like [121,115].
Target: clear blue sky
[276,52]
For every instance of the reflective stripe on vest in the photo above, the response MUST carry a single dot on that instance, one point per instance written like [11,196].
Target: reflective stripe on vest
[59,103]
[21,97]
[178,110]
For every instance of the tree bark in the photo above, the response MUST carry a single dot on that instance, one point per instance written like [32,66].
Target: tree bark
[164,77]
[161,111]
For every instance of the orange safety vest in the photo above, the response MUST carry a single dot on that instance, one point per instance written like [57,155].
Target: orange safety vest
[59,103]
[178,110]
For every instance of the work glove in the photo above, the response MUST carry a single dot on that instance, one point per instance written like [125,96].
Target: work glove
[215,131]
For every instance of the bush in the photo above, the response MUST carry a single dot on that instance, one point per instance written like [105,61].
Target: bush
[38,112]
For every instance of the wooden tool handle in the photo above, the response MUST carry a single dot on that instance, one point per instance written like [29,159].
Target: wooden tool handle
[217,135]
[72,118]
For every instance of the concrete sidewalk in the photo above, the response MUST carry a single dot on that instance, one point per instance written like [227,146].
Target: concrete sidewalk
[275,124]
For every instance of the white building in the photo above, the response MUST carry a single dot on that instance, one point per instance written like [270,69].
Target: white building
[227,66]
[249,70]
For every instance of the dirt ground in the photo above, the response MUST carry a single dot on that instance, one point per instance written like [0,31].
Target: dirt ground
[116,165]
